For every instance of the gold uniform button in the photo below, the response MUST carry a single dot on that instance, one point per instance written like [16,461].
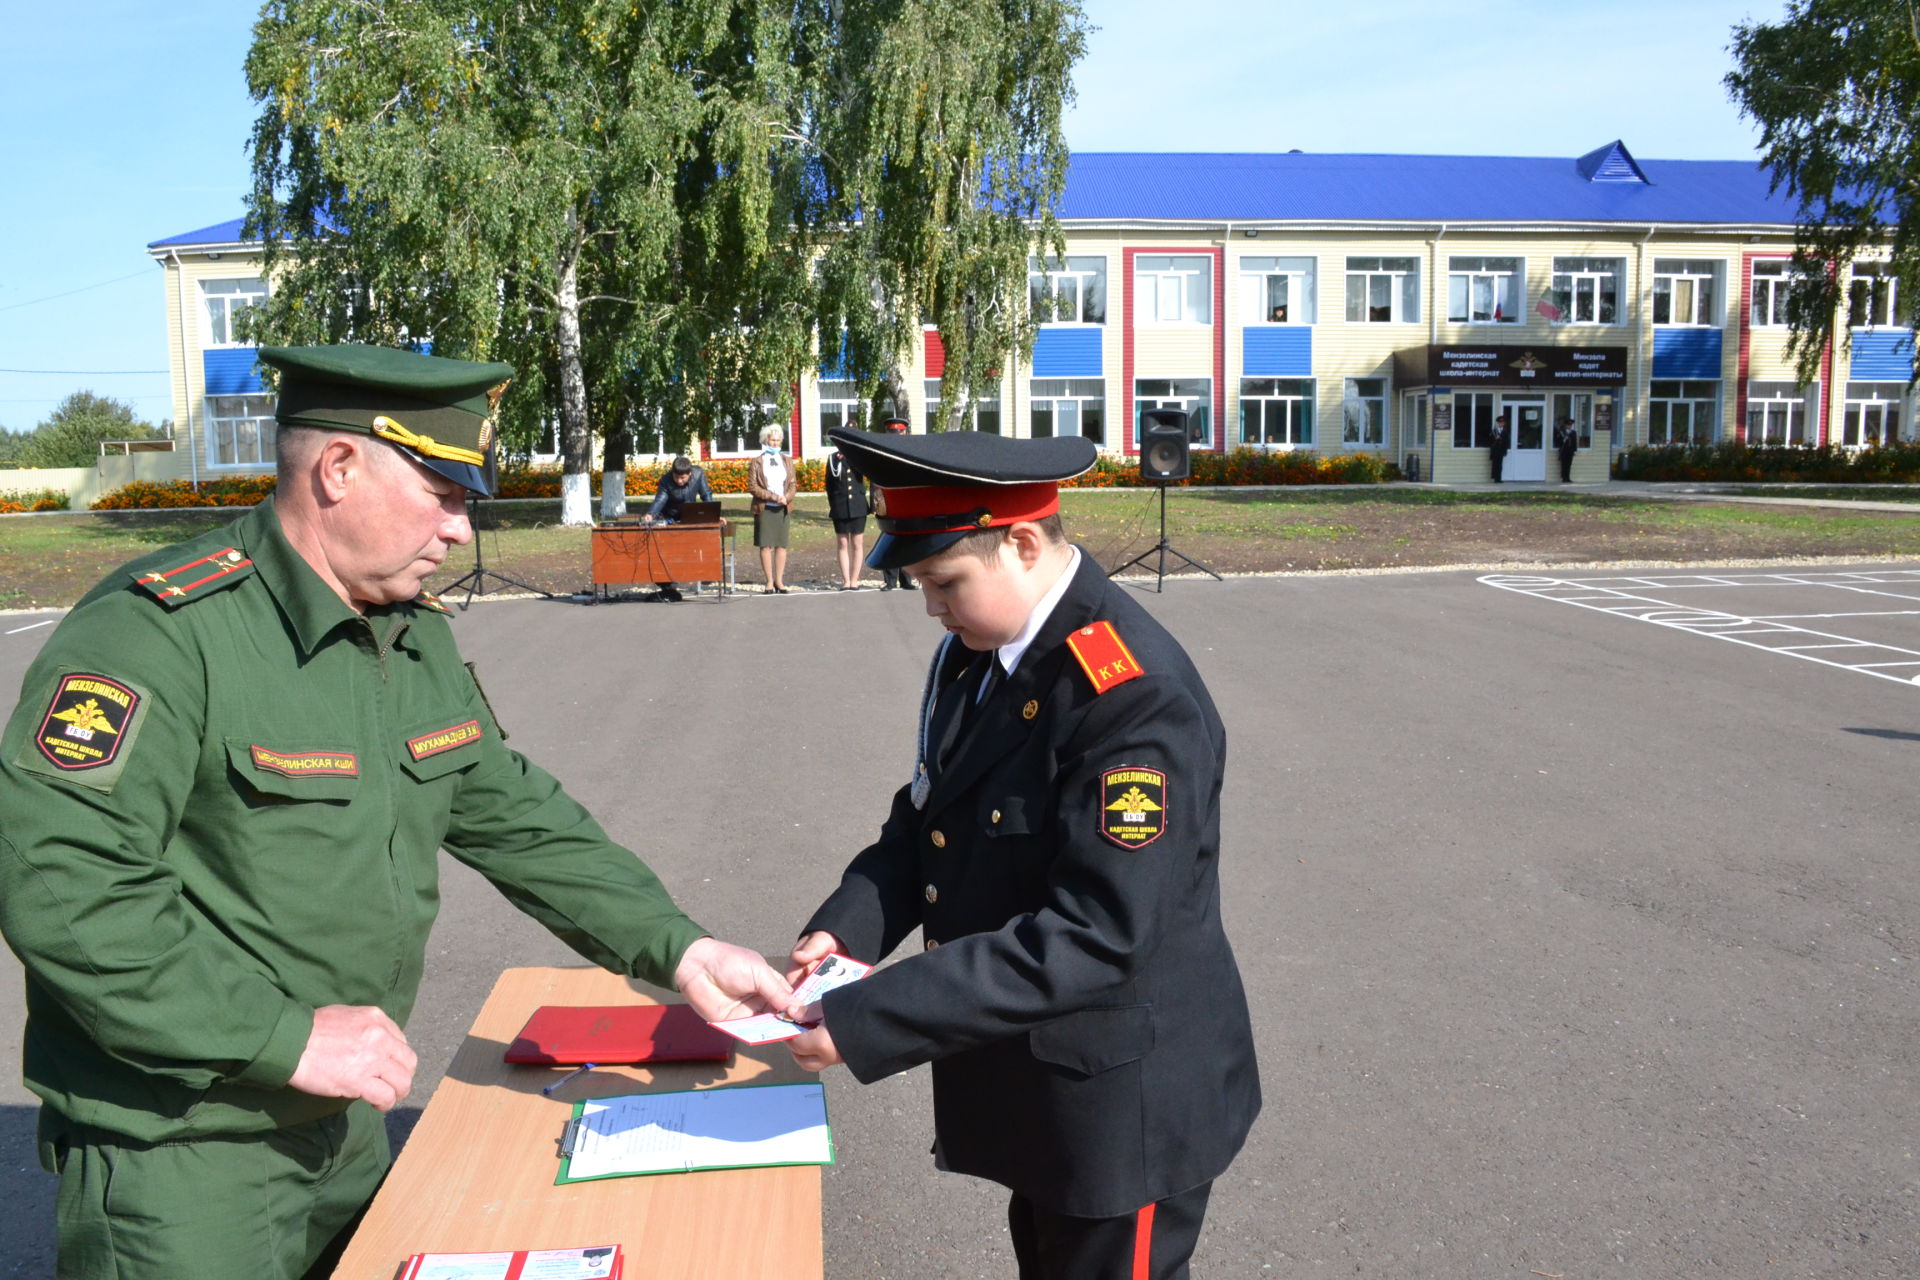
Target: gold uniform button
[939,840]
[933,894]
[932,943]
[995,819]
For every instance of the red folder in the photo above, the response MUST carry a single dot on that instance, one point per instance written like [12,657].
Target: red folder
[571,1034]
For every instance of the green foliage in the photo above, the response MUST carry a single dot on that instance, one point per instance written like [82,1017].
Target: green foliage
[1835,88]
[1733,463]
[11,443]
[15,501]
[630,201]
[71,435]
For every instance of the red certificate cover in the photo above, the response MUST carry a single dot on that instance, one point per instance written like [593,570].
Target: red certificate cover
[572,1034]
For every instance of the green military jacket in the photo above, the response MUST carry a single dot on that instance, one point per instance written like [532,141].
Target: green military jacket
[222,797]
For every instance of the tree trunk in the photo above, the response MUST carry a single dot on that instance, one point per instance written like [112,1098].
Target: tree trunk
[576,439]
[613,473]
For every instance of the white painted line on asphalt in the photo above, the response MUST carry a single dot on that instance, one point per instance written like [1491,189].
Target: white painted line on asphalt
[1754,633]
[31,625]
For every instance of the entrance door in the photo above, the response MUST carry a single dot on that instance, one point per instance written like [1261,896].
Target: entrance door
[1527,460]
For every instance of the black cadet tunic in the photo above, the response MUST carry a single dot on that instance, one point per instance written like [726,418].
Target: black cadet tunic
[1078,1000]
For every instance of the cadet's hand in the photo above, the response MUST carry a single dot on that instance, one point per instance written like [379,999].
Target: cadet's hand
[721,980]
[811,950]
[814,1050]
[356,1051]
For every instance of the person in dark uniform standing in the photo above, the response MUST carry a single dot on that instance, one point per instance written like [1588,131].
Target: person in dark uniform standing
[1058,845]
[682,483]
[223,796]
[891,578]
[1566,439]
[1498,443]
[849,504]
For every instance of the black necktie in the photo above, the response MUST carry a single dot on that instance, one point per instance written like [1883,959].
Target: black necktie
[989,681]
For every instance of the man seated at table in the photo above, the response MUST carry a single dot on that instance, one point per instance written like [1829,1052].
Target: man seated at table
[683,483]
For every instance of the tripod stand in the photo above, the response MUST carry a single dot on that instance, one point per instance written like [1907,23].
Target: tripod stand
[475,579]
[1163,549]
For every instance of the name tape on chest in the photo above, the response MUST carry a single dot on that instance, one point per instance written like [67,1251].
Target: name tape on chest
[306,764]
[1133,805]
[432,744]
[1104,656]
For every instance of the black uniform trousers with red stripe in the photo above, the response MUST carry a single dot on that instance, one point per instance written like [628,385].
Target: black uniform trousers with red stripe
[1076,998]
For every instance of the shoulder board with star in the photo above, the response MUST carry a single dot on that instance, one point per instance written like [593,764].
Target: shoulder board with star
[196,578]
[1104,656]
[427,600]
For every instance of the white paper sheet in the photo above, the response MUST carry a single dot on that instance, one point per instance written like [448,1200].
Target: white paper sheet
[743,1126]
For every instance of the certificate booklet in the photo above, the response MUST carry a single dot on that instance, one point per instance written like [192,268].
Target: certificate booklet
[835,970]
[738,1127]
[568,1035]
[596,1262]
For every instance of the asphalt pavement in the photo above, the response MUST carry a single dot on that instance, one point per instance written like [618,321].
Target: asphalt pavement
[1577,947]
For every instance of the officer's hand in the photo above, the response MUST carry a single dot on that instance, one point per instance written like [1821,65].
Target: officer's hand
[814,1050]
[811,950]
[721,980]
[356,1051]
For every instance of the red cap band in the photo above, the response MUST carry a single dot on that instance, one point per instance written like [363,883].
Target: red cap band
[939,508]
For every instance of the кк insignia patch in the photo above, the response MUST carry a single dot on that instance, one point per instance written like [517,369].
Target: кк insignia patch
[87,723]
[1133,805]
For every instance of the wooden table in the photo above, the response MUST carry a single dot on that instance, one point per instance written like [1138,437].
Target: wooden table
[662,553]
[478,1171]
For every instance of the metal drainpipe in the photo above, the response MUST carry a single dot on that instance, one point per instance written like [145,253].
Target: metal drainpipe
[1433,289]
[186,377]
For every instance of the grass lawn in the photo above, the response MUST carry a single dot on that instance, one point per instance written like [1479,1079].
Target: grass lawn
[51,560]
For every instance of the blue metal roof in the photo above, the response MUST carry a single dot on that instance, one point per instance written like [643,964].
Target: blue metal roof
[219,233]
[1297,186]
[1605,185]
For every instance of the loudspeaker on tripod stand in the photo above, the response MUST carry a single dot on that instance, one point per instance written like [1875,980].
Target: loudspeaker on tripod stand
[1165,453]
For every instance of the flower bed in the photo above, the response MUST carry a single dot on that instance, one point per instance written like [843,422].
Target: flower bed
[153,495]
[14,501]
[1750,464]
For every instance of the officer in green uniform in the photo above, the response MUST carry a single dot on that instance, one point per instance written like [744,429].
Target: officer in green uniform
[222,795]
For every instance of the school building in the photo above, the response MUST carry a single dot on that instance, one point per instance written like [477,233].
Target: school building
[1387,303]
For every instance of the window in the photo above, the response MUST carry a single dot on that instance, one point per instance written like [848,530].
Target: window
[1873,415]
[1585,291]
[1577,405]
[1472,419]
[1069,407]
[1383,290]
[227,301]
[1484,290]
[1277,291]
[1276,413]
[1195,395]
[1683,412]
[1069,292]
[1871,296]
[1684,290]
[1773,280]
[982,415]
[1413,417]
[240,431]
[1778,413]
[1173,290]
[738,431]
[1364,414]
[840,405]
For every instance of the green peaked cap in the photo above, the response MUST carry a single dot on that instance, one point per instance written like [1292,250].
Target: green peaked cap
[439,411]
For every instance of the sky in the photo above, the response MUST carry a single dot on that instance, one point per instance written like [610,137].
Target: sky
[123,122]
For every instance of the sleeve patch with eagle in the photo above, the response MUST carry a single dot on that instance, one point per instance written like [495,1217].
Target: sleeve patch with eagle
[87,730]
[1133,805]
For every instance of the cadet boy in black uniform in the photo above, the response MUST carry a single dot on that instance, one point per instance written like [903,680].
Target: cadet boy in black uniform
[1058,845]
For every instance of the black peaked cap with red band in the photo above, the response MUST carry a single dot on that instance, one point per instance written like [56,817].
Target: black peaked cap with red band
[937,488]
